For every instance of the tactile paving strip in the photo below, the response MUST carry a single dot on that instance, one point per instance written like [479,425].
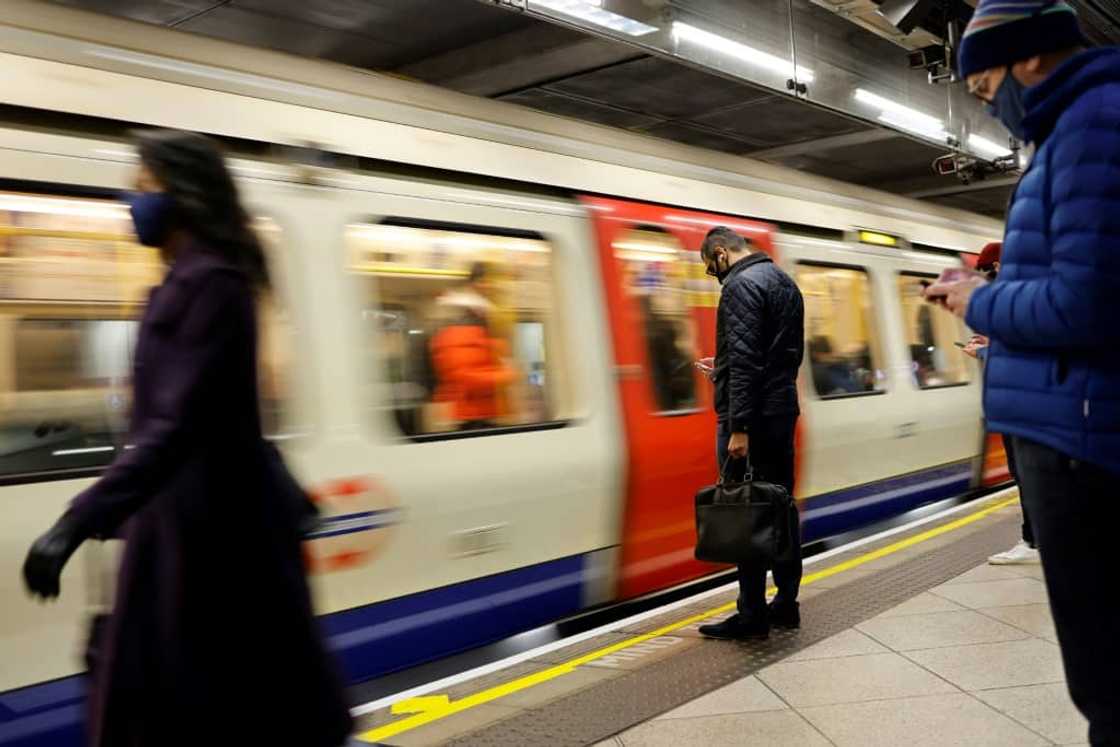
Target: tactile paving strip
[602,710]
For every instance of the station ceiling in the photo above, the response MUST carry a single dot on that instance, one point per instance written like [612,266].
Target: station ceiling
[480,48]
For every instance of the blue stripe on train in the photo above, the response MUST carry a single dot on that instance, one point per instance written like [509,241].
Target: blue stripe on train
[844,510]
[379,638]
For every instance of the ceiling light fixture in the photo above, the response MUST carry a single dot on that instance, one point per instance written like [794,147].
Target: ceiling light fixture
[592,11]
[903,117]
[986,147]
[740,51]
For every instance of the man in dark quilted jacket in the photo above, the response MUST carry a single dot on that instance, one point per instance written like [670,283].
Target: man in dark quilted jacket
[760,341]
[1052,380]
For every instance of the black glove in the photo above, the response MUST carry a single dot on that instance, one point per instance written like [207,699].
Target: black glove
[48,555]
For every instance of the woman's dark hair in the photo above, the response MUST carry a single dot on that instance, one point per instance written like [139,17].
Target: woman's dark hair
[192,168]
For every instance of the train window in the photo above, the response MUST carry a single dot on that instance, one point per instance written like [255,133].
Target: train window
[73,284]
[460,323]
[845,355]
[656,275]
[276,332]
[935,360]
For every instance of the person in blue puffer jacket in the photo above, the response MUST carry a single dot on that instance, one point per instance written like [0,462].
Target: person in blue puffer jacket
[1053,316]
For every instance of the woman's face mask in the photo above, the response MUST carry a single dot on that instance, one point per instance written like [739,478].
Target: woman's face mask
[152,216]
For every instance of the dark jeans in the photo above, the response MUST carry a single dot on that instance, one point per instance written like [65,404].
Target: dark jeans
[1075,512]
[771,458]
[1009,449]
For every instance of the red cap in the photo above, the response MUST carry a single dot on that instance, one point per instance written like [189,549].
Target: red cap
[989,255]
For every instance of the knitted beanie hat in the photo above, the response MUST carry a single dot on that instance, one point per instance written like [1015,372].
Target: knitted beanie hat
[1003,32]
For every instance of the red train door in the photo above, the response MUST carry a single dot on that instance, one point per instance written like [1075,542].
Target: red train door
[662,314]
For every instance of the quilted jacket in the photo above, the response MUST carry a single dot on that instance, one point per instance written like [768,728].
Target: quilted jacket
[760,341]
[1053,371]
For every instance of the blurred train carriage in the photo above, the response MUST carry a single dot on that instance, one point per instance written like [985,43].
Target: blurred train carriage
[566,481]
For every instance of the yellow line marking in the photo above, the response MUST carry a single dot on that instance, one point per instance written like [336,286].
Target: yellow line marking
[421,705]
[427,709]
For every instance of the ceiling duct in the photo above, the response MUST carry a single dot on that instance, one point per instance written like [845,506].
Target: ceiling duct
[933,16]
[906,15]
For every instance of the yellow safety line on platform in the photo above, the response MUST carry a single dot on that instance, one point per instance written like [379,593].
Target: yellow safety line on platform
[429,708]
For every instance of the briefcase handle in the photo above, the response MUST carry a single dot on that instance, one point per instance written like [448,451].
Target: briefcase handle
[747,477]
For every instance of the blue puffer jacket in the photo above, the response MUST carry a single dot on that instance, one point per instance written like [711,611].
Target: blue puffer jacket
[1053,372]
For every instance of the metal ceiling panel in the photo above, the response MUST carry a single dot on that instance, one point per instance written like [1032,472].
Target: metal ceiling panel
[659,88]
[425,28]
[591,111]
[162,12]
[875,165]
[343,15]
[295,37]
[991,202]
[702,137]
[778,120]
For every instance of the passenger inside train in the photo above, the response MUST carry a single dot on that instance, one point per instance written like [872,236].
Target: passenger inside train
[467,318]
[469,353]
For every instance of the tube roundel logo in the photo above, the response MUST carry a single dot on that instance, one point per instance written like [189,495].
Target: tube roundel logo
[357,519]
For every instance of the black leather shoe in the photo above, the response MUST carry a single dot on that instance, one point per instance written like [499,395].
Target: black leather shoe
[736,628]
[785,615]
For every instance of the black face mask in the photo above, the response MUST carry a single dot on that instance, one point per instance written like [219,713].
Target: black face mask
[720,274]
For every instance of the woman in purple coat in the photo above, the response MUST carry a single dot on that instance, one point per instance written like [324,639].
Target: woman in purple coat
[212,639]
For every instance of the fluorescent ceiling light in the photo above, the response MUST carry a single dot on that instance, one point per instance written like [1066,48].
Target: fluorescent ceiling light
[740,51]
[903,117]
[987,147]
[592,11]
[932,130]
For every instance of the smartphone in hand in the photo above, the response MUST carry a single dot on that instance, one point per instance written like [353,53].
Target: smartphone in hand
[707,366]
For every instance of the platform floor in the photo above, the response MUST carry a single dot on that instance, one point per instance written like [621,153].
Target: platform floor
[911,639]
[969,662]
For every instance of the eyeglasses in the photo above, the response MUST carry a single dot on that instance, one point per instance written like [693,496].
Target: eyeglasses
[980,88]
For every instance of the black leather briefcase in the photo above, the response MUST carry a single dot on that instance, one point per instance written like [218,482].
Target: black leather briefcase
[747,522]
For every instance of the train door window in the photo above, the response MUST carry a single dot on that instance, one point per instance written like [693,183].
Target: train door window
[845,354]
[656,275]
[460,321]
[73,284]
[930,334]
[276,333]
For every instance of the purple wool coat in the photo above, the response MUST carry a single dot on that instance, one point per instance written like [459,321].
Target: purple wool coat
[212,639]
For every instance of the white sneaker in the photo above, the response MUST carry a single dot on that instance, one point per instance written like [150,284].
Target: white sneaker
[1021,554]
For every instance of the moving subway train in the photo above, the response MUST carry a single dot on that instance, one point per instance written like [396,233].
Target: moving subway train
[574,487]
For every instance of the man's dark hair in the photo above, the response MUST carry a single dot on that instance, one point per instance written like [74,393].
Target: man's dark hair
[725,237]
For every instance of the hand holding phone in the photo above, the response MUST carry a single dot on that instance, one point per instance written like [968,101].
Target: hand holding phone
[707,366]
[954,288]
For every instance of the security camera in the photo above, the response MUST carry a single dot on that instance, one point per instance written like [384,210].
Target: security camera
[927,58]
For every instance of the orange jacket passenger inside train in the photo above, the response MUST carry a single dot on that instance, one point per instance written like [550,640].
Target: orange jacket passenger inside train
[470,363]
